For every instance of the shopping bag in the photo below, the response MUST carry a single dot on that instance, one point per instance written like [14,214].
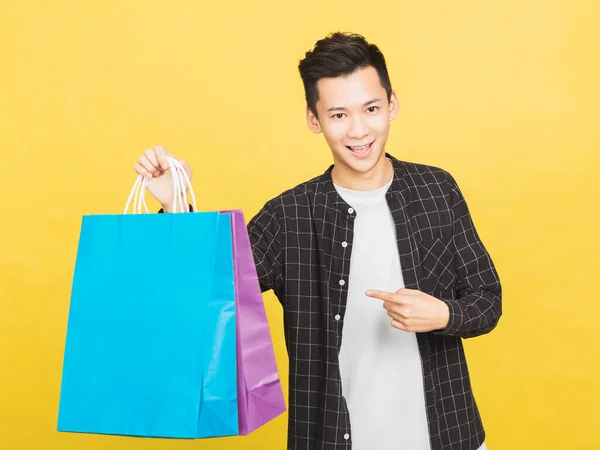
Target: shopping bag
[151,337]
[260,397]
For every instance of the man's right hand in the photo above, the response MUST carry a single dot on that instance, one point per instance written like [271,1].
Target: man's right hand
[153,165]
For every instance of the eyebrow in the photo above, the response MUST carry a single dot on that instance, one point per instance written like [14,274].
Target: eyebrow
[341,108]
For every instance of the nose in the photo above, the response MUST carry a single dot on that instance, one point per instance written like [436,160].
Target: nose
[358,128]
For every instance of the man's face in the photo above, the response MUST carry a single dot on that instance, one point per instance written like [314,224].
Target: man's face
[354,115]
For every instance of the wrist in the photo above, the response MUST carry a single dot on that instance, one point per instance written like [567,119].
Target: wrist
[444,317]
[168,207]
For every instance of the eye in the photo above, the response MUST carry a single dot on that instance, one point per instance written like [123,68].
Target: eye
[372,108]
[338,116]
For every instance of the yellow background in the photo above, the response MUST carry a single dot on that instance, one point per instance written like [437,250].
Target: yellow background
[503,94]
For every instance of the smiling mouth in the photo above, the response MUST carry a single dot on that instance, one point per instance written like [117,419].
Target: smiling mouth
[360,150]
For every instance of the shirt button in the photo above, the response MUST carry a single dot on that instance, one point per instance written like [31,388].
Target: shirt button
[337,317]
[346,436]
[344,244]
[350,210]
[342,282]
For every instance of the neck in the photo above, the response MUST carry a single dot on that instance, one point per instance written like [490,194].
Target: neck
[375,178]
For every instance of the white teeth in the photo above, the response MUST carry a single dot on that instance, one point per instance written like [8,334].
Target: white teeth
[361,149]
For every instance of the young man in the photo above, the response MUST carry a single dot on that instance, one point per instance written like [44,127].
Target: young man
[379,270]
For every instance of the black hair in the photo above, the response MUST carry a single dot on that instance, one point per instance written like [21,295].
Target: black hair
[340,54]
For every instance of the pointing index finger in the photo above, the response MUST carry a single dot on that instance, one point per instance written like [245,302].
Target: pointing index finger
[381,295]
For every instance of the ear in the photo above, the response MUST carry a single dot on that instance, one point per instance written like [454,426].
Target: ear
[394,107]
[312,121]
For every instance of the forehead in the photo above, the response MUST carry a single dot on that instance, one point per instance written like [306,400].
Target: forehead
[352,90]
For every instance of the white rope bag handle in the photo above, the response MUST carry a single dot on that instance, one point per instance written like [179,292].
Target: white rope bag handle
[180,199]
[181,181]
[137,195]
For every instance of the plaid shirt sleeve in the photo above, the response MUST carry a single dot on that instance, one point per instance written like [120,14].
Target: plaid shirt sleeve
[265,237]
[478,303]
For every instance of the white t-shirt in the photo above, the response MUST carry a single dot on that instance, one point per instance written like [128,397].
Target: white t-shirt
[382,378]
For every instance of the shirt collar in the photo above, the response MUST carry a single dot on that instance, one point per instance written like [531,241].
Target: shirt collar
[396,193]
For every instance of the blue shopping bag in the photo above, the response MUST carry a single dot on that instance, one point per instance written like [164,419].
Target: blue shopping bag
[151,337]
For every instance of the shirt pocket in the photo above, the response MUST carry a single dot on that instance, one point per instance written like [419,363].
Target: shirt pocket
[437,269]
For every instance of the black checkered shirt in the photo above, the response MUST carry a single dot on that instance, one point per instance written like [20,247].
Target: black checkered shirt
[302,241]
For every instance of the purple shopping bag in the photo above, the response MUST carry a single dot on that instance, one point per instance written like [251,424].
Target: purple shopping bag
[260,397]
